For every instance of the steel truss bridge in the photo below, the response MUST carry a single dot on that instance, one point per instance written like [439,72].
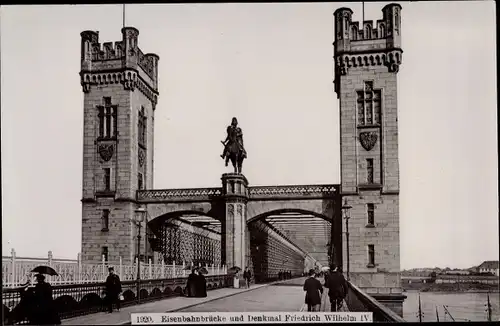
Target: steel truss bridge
[289,228]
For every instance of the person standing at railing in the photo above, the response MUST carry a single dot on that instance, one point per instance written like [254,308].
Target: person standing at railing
[44,312]
[191,288]
[201,285]
[113,288]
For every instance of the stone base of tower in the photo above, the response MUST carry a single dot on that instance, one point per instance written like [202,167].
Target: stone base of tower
[383,287]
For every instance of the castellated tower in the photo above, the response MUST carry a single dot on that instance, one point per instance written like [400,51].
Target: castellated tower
[367,60]
[120,85]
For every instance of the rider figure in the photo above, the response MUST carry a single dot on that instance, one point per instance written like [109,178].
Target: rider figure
[234,135]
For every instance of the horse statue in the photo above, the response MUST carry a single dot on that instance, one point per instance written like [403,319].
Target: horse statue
[233,146]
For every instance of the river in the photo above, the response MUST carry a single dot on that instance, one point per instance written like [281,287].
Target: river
[461,306]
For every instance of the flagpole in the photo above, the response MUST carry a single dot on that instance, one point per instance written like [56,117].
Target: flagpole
[123,15]
[363,15]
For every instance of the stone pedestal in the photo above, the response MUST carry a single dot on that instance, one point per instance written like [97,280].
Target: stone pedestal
[235,193]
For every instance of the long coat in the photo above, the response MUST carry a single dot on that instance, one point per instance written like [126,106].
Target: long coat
[201,286]
[45,312]
[337,285]
[314,290]
[191,287]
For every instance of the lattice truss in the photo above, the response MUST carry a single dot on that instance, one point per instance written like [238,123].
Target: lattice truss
[191,240]
[270,255]
[308,232]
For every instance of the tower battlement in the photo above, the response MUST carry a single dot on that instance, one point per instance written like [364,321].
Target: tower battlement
[376,44]
[119,62]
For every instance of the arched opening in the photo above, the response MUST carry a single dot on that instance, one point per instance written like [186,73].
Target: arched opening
[288,242]
[186,237]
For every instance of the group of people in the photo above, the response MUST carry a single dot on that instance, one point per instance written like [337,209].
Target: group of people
[36,305]
[334,282]
[284,275]
[196,284]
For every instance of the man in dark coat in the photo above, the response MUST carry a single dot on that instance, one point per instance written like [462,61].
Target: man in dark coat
[314,291]
[201,285]
[191,287]
[337,288]
[113,290]
[247,276]
[44,312]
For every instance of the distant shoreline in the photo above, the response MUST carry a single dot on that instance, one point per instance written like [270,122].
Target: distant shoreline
[451,287]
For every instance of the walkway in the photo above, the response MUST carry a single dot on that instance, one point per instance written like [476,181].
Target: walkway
[224,296]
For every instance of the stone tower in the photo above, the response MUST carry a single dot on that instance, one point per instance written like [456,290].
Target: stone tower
[120,86]
[367,60]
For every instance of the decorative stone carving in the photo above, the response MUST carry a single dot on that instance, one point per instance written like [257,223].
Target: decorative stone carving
[240,210]
[106,151]
[142,157]
[368,139]
[230,210]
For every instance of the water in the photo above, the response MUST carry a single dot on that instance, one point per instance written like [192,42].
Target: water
[462,306]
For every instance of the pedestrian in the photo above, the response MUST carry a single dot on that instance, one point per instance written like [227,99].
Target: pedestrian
[201,285]
[337,288]
[247,275]
[191,283]
[314,291]
[44,312]
[113,289]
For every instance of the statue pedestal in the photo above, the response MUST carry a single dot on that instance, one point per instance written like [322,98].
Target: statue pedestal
[236,239]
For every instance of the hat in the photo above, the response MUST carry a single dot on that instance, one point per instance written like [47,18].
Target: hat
[111,269]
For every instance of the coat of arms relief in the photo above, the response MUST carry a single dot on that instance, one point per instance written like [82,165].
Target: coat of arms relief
[368,139]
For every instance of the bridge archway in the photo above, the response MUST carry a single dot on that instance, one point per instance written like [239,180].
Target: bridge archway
[186,237]
[288,241]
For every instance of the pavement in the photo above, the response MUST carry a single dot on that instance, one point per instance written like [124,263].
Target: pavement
[174,304]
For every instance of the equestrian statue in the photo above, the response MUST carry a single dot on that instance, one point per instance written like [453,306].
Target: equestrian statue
[233,146]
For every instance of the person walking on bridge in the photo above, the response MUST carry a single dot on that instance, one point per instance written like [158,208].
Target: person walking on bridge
[314,291]
[113,288]
[337,288]
[247,275]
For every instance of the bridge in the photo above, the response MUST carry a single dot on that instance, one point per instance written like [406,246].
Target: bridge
[274,230]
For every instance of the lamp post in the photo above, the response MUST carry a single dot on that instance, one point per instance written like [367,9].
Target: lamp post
[139,218]
[346,209]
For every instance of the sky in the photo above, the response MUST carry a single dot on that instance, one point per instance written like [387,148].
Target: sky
[271,66]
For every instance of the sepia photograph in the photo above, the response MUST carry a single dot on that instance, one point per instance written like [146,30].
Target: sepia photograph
[235,163]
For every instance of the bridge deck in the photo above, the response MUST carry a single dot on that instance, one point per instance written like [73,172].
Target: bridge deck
[217,300]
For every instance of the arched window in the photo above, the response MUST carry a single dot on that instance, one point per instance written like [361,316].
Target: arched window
[354,33]
[381,32]
[368,32]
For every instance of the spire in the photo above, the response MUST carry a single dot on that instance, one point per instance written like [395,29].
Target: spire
[123,10]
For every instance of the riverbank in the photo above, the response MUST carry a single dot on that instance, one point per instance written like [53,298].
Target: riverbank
[452,287]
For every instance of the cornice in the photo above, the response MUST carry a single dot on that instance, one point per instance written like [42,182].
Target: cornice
[128,77]
[390,58]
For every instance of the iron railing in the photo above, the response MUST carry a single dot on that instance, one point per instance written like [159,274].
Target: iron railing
[82,299]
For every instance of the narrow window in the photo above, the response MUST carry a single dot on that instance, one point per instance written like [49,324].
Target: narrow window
[101,121]
[376,106]
[107,179]
[139,181]
[108,122]
[142,127]
[105,253]
[371,255]
[371,214]
[115,119]
[369,170]
[361,109]
[105,220]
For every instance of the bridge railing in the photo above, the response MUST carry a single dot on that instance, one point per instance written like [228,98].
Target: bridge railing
[359,301]
[17,270]
[81,299]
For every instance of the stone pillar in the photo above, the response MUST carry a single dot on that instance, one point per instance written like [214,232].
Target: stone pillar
[235,192]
